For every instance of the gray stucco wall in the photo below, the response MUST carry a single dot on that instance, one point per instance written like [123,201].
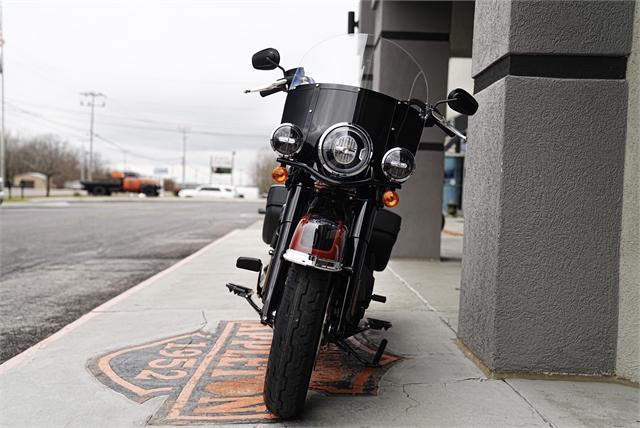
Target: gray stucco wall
[628,358]
[419,207]
[571,27]
[492,21]
[476,324]
[421,196]
[550,27]
[543,193]
[560,227]
[414,16]
[542,225]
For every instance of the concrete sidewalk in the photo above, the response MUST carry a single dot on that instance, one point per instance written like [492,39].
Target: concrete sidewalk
[50,385]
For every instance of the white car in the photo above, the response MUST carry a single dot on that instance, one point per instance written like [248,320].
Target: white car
[209,191]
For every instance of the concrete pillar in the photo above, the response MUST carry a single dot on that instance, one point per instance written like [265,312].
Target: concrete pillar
[628,350]
[544,185]
[422,29]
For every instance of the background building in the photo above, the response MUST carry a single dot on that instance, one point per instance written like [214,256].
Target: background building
[32,180]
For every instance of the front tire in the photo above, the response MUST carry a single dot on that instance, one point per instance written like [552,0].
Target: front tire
[297,332]
[149,191]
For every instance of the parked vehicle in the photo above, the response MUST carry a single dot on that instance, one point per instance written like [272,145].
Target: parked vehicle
[123,182]
[209,191]
[347,142]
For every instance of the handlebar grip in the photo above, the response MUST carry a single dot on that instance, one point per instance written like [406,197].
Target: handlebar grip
[270,92]
[445,129]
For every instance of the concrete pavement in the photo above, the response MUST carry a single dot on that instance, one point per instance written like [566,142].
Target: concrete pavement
[54,384]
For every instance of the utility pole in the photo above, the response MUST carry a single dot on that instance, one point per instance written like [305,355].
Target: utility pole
[90,100]
[233,158]
[184,131]
[83,161]
[2,160]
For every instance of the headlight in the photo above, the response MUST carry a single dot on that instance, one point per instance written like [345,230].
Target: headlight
[345,150]
[398,164]
[287,139]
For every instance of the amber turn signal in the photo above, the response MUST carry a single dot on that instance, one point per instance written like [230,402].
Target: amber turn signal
[280,174]
[390,199]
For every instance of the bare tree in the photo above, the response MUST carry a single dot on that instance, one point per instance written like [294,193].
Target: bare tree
[15,157]
[100,168]
[261,169]
[49,155]
[69,169]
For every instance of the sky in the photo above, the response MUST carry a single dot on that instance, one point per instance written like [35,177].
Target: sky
[162,66]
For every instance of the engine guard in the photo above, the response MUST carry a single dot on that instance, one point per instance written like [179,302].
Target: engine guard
[317,242]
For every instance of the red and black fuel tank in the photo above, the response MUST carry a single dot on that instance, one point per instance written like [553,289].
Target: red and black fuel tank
[390,123]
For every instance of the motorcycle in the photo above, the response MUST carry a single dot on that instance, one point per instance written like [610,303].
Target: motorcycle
[355,110]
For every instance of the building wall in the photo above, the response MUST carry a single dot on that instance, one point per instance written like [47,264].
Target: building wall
[422,29]
[543,189]
[38,183]
[551,266]
[628,352]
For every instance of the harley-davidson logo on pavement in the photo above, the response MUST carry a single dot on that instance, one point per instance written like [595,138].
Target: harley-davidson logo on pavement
[219,377]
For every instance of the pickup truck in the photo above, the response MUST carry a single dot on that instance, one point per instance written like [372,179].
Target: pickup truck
[123,182]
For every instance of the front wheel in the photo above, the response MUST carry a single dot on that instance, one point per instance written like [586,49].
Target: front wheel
[149,191]
[297,331]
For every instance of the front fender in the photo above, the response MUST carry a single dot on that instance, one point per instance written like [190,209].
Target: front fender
[317,242]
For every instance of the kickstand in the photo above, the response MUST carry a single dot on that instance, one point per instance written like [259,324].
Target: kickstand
[343,344]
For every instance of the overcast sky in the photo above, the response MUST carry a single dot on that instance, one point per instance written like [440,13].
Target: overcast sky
[162,66]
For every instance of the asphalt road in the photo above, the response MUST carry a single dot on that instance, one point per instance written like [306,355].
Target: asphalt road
[58,261]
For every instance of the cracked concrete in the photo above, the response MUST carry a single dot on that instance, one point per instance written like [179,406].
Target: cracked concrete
[436,386]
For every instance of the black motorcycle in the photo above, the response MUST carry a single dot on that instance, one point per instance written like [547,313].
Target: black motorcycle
[354,113]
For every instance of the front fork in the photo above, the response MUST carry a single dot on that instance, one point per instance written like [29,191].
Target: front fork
[344,321]
[351,264]
[360,234]
[279,267]
[319,243]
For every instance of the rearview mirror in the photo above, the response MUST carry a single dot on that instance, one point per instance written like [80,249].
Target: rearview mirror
[462,102]
[266,59]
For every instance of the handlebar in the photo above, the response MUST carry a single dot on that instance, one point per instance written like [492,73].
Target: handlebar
[276,86]
[442,123]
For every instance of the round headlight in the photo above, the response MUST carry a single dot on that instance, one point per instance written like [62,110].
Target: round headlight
[345,150]
[287,139]
[398,164]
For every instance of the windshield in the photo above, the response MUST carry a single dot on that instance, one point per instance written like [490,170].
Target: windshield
[364,61]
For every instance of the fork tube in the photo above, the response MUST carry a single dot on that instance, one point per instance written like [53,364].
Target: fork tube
[278,270]
[361,234]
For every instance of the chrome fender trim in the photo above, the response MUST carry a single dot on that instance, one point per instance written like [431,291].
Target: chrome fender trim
[304,259]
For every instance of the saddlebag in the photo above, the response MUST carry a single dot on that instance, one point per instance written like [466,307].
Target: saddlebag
[275,200]
[383,237]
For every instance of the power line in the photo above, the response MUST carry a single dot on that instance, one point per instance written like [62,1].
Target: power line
[106,140]
[100,137]
[148,128]
[44,118]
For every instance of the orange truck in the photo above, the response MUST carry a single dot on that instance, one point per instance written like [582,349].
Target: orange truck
[123,182]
